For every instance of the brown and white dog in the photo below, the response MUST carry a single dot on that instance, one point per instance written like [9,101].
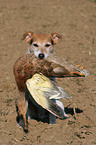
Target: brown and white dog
[40,59]
[41,45]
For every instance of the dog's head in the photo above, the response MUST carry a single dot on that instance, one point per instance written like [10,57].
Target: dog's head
[41,44]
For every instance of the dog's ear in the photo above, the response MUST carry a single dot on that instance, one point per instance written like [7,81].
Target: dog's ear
[55,37]
[28,36]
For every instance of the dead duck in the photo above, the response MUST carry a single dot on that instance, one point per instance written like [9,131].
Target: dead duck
[28,65]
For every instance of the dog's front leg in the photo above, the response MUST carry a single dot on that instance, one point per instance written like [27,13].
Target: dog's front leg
[21,108]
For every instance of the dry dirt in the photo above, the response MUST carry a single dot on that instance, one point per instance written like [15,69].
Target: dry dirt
[76,21]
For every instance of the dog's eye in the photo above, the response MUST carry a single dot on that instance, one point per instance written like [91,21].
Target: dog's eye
[35,45]
[47,45]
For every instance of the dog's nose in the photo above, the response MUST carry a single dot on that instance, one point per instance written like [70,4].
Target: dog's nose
[41,55]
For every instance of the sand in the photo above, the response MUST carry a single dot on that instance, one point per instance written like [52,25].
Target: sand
[76,21]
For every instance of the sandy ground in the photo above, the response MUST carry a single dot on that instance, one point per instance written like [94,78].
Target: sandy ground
[75,20]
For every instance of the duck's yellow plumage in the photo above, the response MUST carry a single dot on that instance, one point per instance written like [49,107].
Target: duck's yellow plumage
[44,91]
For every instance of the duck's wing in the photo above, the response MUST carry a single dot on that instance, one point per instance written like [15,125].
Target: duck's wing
[64,68]
[56,92]
[43,100]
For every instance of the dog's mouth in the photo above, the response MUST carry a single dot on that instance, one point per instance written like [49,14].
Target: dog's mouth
[41,55]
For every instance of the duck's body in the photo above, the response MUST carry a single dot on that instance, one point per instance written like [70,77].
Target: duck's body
[28,65]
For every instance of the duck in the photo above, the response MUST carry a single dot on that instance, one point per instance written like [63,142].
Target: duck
[27,65]
[52,67]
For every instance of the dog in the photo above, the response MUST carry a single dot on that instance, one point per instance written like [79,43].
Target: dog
[40,59]
[41,45]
